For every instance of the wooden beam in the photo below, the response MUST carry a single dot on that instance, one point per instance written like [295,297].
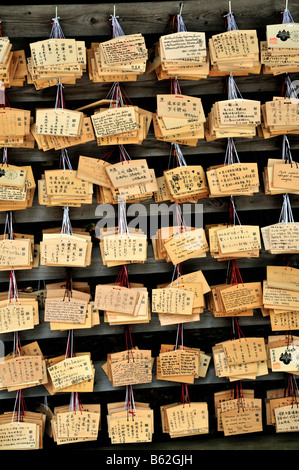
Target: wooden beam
[102,383]
[207,321]
[147,86]
[144,17]
[258,202]
[97,270]
[151,147]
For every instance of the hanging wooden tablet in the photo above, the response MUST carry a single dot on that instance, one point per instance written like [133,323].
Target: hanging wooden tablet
[279,117]
[17,188]
[130,421]
[23,369]
[280,51]
[282,406]
[240,371]
[64,188]
[182,54]
[56,60]
[116,121]
[21,429]
[237,391]
[283,353]
[71,374]
[241,416]
[191,286]
[76,422]
[234,117]
[66,247]
[129,367]
[231,241]
[233,178]
[119,59]
[185,419]
[234,51]
[181,364]
[13,67]
[282,237]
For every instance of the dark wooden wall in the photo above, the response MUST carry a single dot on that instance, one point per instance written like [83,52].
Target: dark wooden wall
[90,22]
